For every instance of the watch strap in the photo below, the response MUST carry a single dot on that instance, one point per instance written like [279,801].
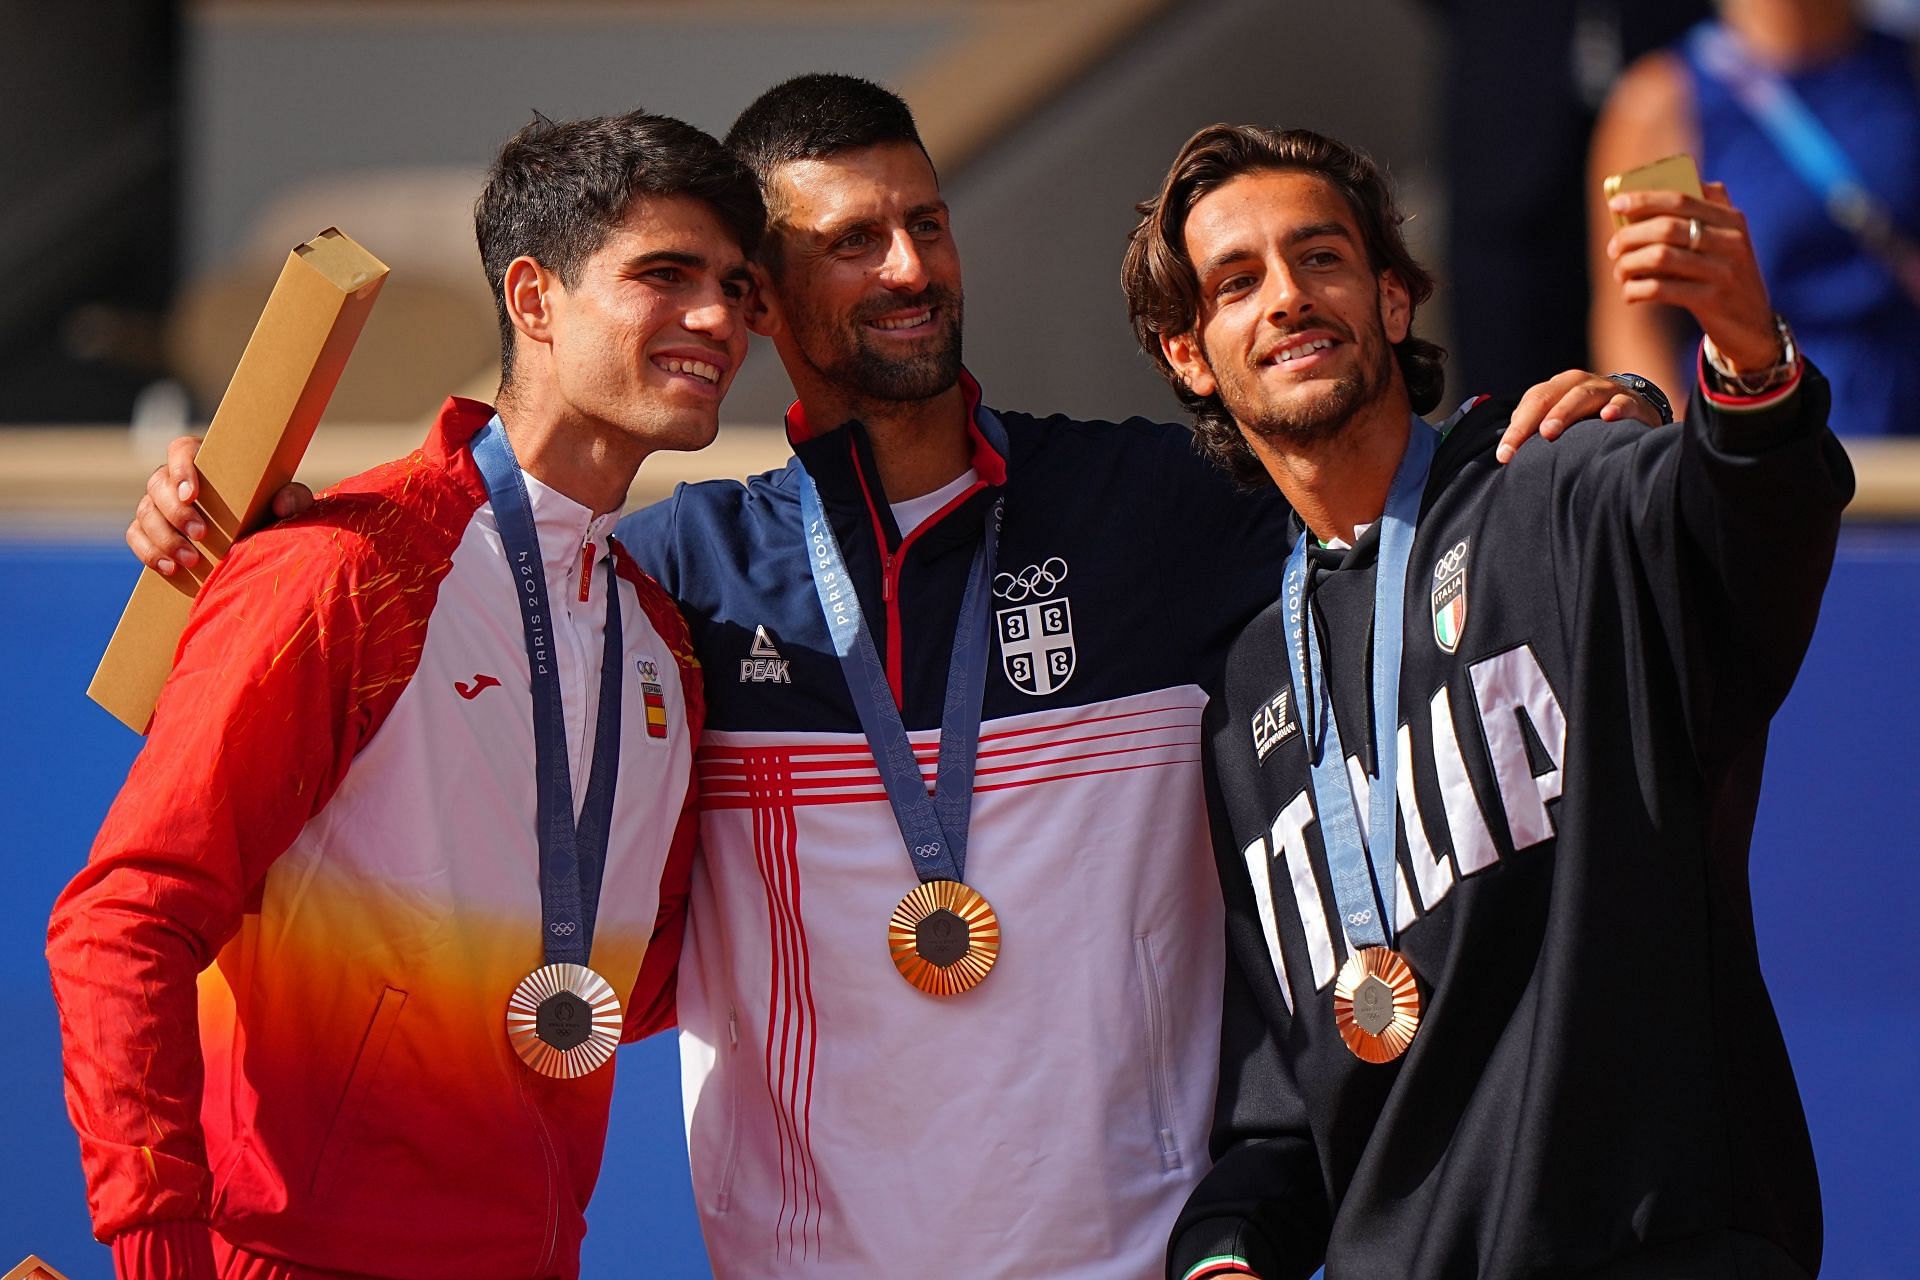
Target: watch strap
[1755,382]
[1647,390]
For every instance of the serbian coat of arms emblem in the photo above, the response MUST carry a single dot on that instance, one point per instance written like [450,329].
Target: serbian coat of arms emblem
[1450,597]
[1036,627]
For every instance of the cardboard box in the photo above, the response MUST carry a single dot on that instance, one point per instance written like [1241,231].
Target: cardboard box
[33,1269]
[255,443]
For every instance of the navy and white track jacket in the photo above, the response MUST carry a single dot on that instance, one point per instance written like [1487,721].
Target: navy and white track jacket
[1052,1121]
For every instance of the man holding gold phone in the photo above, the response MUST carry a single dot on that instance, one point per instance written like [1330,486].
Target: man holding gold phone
[1483,777]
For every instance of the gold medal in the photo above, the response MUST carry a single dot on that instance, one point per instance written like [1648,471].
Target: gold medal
[1376,1004]
[944,938]
[564,1020]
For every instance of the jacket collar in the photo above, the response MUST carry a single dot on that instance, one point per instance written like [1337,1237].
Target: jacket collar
[840,460]
[459,421]
[564,525]
[810,441]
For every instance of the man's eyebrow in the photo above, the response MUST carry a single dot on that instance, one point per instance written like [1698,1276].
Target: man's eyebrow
[832,231]
[1299,235]
[1225,257]
[675,257]
[1314,231]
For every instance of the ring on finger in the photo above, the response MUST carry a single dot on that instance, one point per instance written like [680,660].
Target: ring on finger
[1693,234]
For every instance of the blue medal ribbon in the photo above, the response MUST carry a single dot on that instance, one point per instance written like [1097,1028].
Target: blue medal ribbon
[934,829]
[1364,894]
[572,858]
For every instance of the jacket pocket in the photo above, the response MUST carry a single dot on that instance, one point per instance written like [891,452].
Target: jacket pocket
[1159,1056]
[366,1065]
[723,1194]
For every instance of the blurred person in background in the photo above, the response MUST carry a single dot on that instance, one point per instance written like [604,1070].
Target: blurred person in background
[1815,119]
[1515,149]
[844,1120]
[324,984]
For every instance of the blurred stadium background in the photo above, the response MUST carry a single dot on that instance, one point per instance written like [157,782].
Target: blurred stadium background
[161,158]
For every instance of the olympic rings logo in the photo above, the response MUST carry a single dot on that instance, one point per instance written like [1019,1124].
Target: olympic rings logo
[927,850]
[1451,561]
[563,930]
[1036,580]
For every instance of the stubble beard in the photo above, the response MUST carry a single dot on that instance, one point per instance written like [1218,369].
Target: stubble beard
[871,374]
[1300,422]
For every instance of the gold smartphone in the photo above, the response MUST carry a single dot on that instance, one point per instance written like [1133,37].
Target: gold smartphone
[1675,173]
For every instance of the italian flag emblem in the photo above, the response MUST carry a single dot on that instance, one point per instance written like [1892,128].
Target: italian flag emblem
[1450,597]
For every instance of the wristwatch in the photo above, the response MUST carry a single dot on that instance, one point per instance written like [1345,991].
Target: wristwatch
[1646,390]
[1759,381]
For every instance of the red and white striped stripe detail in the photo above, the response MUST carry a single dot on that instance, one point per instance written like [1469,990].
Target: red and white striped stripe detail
[842,770]
[792,1036]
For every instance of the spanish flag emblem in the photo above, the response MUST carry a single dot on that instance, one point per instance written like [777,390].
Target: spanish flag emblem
[654,696]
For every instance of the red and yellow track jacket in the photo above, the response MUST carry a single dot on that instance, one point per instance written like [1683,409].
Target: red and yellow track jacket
[326,857]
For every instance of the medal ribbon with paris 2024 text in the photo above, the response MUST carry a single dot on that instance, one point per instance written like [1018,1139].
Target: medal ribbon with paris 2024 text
[1376,1001]
[563,1019]
[943,936]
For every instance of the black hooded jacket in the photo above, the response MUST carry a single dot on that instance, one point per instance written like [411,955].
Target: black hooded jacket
[1597,635]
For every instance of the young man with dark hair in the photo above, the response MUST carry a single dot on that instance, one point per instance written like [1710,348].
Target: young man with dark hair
[377,820]
[1484,773]
[853,1108]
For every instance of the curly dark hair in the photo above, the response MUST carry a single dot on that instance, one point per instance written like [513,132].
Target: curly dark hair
[558,189]
[1163,292]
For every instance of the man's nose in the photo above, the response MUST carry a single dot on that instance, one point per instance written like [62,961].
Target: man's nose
[715,315]
[903,268]
[1282,298]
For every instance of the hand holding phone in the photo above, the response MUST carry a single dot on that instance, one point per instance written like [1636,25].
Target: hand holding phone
[1684,244]
[1673,173]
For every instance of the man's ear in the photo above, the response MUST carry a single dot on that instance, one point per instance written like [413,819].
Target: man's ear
[1396,307]
[1189,361]
[763,307]
[529,289]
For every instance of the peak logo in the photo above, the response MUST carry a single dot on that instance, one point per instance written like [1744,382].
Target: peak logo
[763,663]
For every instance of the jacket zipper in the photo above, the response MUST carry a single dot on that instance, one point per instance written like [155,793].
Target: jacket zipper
[890,566]
[586,572]
[723,1199]
[552,1161]
[1157,1086]
[547,1151]
[890,596]
[891,562]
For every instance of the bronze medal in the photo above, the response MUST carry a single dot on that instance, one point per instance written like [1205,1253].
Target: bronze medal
[564,1020]
[944,938]
[1376,1004]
